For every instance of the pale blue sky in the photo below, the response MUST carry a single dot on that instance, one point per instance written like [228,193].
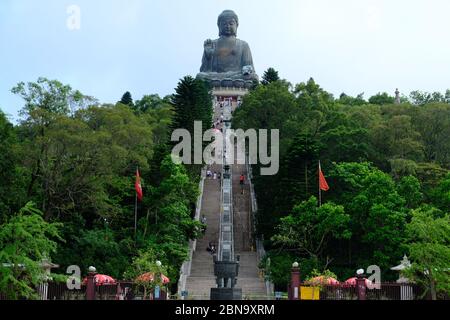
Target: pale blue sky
[146,46]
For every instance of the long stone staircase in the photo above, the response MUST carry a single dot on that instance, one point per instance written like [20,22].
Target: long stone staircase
[253,287]
[201,278]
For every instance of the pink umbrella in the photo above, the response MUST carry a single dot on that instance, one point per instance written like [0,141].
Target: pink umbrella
[150,276]
[323,280]
[352,281]
[101,279]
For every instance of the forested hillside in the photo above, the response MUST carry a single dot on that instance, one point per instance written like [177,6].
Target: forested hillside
[71,164]
[387,166]
[67,173]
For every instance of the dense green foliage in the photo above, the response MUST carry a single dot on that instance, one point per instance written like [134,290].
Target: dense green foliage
[387,166]
[269,76]
[382,162]
[127,99]
[76,159]
[429,246]
[26,241]
[192,103]
[8,175]
[381,99]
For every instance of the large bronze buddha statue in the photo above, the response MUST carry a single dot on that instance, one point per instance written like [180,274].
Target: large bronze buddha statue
[228,58]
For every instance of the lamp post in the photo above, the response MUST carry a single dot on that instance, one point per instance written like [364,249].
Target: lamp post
[295,282]
[90,286]
[157,291]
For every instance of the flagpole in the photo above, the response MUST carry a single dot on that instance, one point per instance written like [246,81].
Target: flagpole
[320,190]
[135,215]
[135,211]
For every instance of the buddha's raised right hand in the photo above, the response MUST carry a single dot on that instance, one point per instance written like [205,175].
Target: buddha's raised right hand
[209,47]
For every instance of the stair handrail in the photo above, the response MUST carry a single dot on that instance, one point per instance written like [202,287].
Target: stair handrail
[260,251]
[185,270]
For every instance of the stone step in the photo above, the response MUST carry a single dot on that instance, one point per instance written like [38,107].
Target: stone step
[199,288]
[201,279]
[251,286]
[242,207]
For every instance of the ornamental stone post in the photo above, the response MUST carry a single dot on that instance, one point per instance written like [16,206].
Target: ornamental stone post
[90,286]
[295,282]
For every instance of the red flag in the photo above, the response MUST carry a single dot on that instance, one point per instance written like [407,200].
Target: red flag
[138,186]
[323,185]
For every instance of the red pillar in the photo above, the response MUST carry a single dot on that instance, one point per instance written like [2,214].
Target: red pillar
[361,286]
[294,293]
[90,287]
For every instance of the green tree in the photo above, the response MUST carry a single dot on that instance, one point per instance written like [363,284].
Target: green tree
[421,98]
[397,139]
[45,101]
[441,194]
[378,214]
[277,267]
[273,106]
[381,99]
[99,248]
[352,101]
[432,121]
[309,228]
[429,249]
[270,75]
[270,107]
[192,102]
[160,120]
[10,192]
[26,240]
[146,262]
[169,224]
[402,167]
[409,188]
[430,176]
[343,139]
[311,96]
[314,103]
[151,102]
[127,99]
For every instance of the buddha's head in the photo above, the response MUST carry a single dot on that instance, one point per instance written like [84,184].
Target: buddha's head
[228,23]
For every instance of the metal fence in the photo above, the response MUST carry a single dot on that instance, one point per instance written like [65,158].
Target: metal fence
[59,291]
[385,291]
[130,291]
[119,291]
[339,292]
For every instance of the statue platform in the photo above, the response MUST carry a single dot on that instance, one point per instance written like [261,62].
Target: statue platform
[229,92]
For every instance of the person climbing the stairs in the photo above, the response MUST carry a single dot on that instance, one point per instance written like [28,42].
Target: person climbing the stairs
[241,182]
[204,224]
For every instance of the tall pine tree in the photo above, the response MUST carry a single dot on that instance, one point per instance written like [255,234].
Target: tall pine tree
[192,102]
[127,99]
[271,75]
